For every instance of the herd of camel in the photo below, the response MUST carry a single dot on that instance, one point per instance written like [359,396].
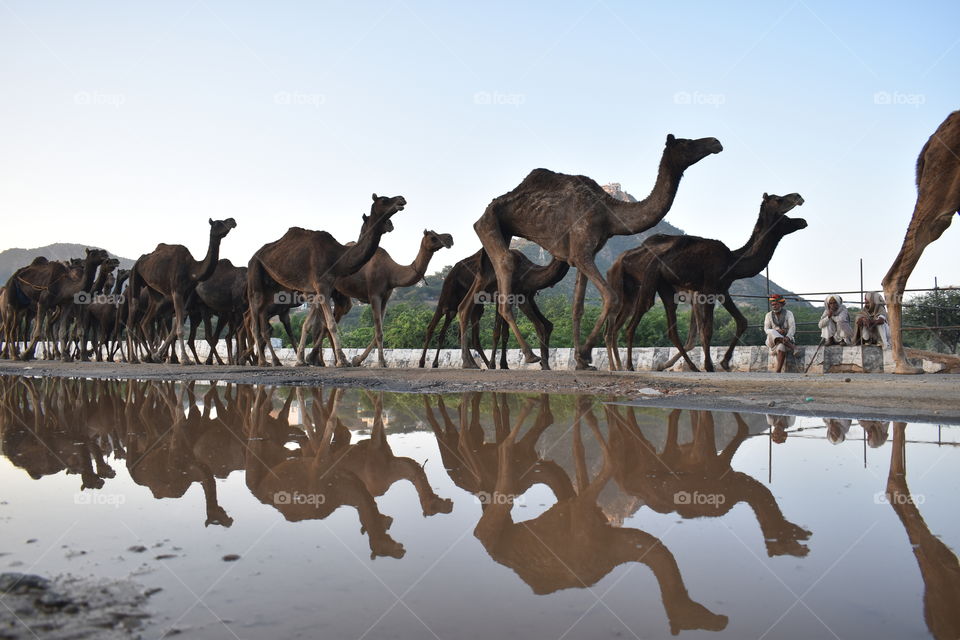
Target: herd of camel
[169,436]
[141,313]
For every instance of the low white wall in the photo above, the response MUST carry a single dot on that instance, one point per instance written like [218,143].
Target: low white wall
[754,358]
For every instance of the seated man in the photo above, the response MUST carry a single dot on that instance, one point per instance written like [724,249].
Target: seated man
[780,328]
[872,325]
[834,324]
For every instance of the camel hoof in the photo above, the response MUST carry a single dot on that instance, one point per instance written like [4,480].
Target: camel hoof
[300,363]
[585,366]
[544,365]
[186,362]
[908,370]
[530,358]
[469,364]
[356,362]
[725,365]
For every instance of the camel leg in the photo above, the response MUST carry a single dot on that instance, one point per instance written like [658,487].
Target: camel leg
[192,337]
[611,299]
[306,330]
[340,359]
[498,251]
[430,329]
[925,227]
[692,334]
[704,319]
[742,323]
[443,336]
[467,315]
[579,295]
[645,298]
[376,309]
[543,327]
[670,305]
[475,338]
[179,319]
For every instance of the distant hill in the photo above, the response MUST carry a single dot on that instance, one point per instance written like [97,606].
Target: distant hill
[13,259]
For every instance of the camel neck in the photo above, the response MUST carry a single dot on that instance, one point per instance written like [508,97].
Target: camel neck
[546,276]
[634,217]
[206,268]
[359,253]
[754,256]
[412,273]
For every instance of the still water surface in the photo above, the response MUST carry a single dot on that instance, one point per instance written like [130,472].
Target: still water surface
[372,515]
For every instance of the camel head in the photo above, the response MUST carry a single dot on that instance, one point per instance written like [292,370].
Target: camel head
[110,265]
[773,213]
[681,153]
[435,241]
[385,207]
[220,228]
[96,257]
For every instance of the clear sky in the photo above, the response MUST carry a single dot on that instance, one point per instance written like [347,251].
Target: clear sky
[127,124]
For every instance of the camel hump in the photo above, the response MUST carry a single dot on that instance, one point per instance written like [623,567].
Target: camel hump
[39,260]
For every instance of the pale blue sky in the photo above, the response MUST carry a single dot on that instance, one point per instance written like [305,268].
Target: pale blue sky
[127,124]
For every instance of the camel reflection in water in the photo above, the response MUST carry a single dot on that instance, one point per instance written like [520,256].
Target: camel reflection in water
[572,544]
[939,566]
[671,480]
[325,471]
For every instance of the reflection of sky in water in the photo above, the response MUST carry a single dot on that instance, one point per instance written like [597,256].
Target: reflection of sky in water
[315,578]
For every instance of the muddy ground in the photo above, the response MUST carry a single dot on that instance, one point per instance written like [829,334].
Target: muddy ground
[926,398]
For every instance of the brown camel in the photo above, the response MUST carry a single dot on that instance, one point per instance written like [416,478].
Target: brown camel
[528,279]
[456,284]
[310,262]
[572,217]
[41,288]
[374,284]
[171,273]
[668,264]
[938,199]
[938,563]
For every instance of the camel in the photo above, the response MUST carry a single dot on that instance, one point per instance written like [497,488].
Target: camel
[310,262]
[40,288]
[667,264]
[455,286]
[528,279]
[171,272]
[938,199]
[572,217]
[938,564]
[573,544]
[374,284]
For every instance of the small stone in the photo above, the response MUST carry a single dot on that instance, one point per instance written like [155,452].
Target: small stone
[137,548]
[165,556]
[771,404]
[847,380]
[231,557]
[31,540]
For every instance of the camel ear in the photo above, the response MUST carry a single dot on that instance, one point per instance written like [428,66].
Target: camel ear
[765,196]
[211,221]
[374,197]
[87,250]
[670,138]
[365,217]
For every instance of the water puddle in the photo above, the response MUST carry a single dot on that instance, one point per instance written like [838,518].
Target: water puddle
[320,512]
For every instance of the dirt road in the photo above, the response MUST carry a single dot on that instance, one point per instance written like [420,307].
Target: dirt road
[928,398]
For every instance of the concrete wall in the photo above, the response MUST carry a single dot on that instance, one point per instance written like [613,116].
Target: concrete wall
[754,358]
